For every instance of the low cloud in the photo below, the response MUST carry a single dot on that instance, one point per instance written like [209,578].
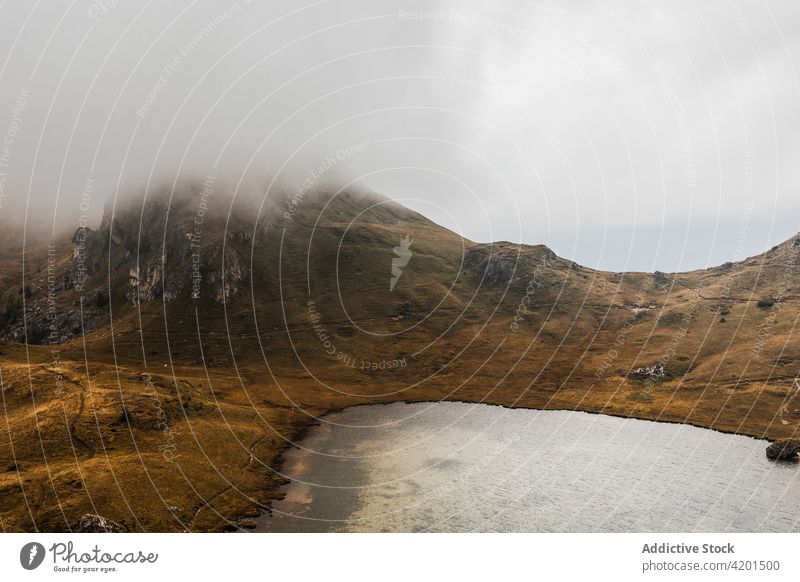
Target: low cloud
[619,136]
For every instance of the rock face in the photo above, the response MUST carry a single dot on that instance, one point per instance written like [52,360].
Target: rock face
[161,249]
[91,523]
[168,246]
[783,450]
[500,264]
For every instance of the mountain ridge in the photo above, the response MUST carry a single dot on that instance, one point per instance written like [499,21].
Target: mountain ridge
[193,399]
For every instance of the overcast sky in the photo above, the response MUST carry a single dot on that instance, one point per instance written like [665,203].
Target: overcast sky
[624,135]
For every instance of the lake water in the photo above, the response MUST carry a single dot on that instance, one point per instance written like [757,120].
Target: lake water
[458,467]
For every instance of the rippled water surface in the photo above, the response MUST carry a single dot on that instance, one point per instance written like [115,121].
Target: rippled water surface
[465,467]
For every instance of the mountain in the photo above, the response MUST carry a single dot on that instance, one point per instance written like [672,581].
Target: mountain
[154,369]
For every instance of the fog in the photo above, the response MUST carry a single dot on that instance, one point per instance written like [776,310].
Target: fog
[625,136]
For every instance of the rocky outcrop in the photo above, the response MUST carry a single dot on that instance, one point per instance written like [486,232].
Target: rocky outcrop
[655,371]
[490,267]
[162,248]
[223,281]
[498,264]
[168,246]
[91,523]
[661,278]
[783,450]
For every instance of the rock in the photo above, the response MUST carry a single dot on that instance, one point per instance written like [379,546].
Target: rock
[241,237]
[661,277]
[654,371]
[252,512]
[91,523]
[783,450]
[492,267]
[247,523]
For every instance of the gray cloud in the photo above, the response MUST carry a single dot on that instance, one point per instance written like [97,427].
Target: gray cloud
[626,137]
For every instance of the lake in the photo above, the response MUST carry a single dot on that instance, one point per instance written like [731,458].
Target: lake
[457,467]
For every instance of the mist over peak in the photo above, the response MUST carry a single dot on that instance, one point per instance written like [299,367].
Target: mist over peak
[498,121]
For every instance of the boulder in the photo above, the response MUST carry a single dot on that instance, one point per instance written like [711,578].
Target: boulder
[783,450]
[91,523]
[654,371]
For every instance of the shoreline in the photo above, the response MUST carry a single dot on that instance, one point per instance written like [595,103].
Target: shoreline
[288,415]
